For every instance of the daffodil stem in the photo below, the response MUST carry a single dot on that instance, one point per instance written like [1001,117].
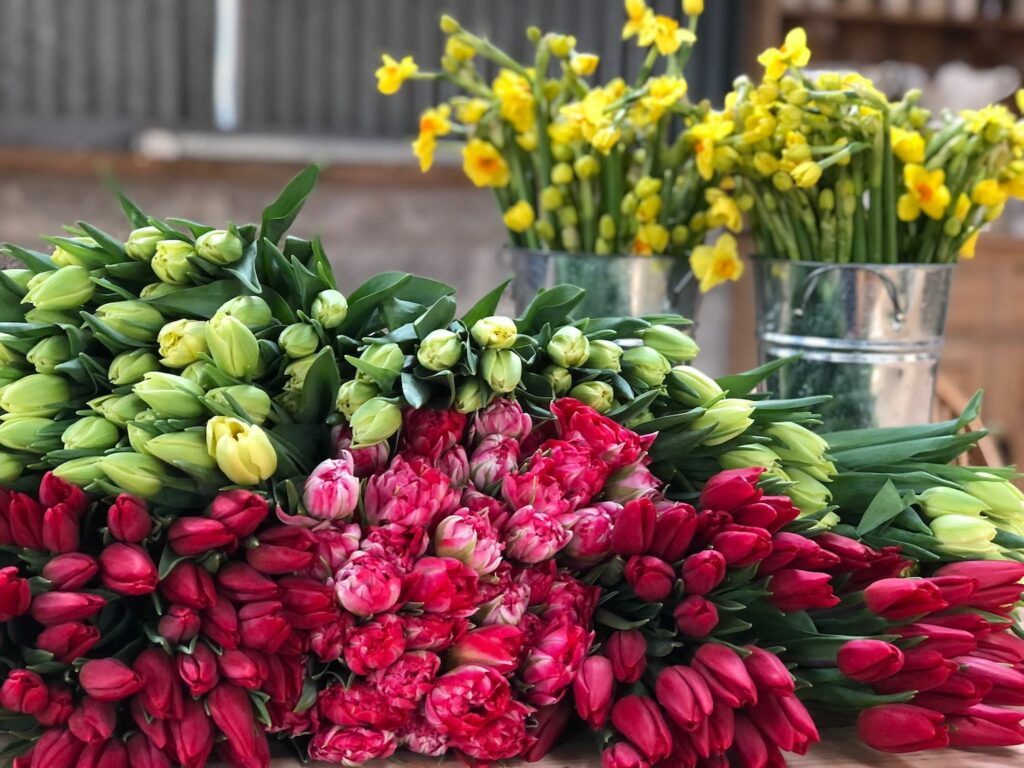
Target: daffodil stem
[891,247]
[647,68]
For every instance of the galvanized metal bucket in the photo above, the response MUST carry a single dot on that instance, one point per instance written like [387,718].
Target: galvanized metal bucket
[870,335]
[616,285]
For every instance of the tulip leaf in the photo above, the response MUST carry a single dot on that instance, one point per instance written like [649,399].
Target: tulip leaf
[487,306]
[614,621]
[132,212]
[382,377]
[245,269]
[194,227]
[668,422]
[320,388]
[319,263]
[742,384]
[366,300]
[886,505]
[203,301]
[416,392]
[439,315]
[33,260]
[550,306]
[423,290]
[112,246]
[279,215]
[308,283]
[91,257]
[10,312]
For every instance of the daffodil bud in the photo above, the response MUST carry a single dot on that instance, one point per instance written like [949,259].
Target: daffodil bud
[254,401]
[130,367]
[587,166]
[134,319]
[353,394]
[184,450]
[568,347]
[690,387]
[502,369]
[495,332]
[173,397]
[440,350]
[388,357]
[29,434]
[728,418]
[299,340]
[252,311]
[243,452]
[234,348]
[220,246]
[677,346]
[940,500]
[172,262]
[472,396]
[141,243]
[48,353]
[597,394]
[81,471]
[551,199]
[561,174]
[182,342]
[120,409]
[965,535]
[11,467]
[449,25]
[753,455]
[606,227]
[329,308]
[605,356]
[647,186]
[1003,498]
[91,432]
[375,421]
[66,288]
[559,378]
[39,394]
[646,364]
[808,494]
[134,473]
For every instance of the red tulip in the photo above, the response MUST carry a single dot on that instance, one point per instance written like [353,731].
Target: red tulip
[499,646]
[768,672]
[902,728]
[263,627]
[56,748]
[684,696]
[749,745]
[784,722]
[54,491]
[652,578]
[127,569]
[231,710]
[622,755]
[128,519]
[703,571]
[15,594]
[721,727]
[192,736]
[794,590]
[627,651]
[160,693]
[282,549]
[548,726]
[26,520]
[104,754]
[869,660]
[60,529]
[245,669]
[244,584]
[179,625]
[724,672]
[921,671]
[197,535]
[695,616]
[769,512]
[948,641]
[154,730]
[198,670]
[1007,682]
[189,584]
[59,708]
[729,490]
[57,607]
[68,640]
[634,528]
[967,732]
[70,571]
[108,680]
[592,690]
[899,599]
[674,527]
[308,603]
[220,623]
[93,720]
[24,692]
[143,753]
[742,545]
[988,573]
[639,719]
[240,511]
[957,695]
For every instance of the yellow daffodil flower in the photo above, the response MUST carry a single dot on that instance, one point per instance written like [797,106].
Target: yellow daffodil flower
[988,192]
[908,145]
[806,174]
[484,164]
[393,73]
[970,245]
[650,239]
[434,122]
[994,116]
[605,138]
[515,97]
[926,193]
[963,207]
[563,132]
[793,53]
[648,209]
[459,50]
[758,126]
[723,211]
[662,93]
[665,34]
[562,45]
[766,163]
[584,64]
[637,14]
[470,111]
[705,136]
[714,265]
[519,217]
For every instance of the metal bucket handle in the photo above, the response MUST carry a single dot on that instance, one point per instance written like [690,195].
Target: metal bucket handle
[899,312]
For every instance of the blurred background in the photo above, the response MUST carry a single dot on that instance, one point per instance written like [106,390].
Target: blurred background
[204,108]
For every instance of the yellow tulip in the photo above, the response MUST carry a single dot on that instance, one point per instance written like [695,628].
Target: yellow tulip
[243,452]
[393,73]
[713,265]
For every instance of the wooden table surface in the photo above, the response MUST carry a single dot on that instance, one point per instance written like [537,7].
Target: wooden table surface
[839,749]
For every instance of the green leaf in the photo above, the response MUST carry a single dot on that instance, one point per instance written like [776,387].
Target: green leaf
[279,215]
[384,378]
[366,299]
[132,212]
[439,315]
[320,389]
[742,384]
[886,505]
[194,227]
[486,307]
[203,301]
[114,247]
[550,306]
[33,260]
[91,258]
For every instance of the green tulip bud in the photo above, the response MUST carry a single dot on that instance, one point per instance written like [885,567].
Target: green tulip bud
[141,243]
[39,394]
[809,495]
[253,312]
[599,395]
[129,367]
[156,290]
[559,378]
[120,409]
[965,535]
[220,246]
[352,394]
[182,342]
[605,356]
[797,443]
[134,473]
[173,397]
[11,467]
[296,373]
[677,346]
[375,421]
[18,279]
[502,369]
[48,353]
[67,288]
[495,332]
[568,347]
[388,357]
[91,432]
[728,418]
[471,396]
[646,364]
[329,308]
[299,340]
[185,450]
[1003,498]
[81,471]
[172,262]
[65,258]
[141,431]
[36,316]
[203,373]
[8,355]
[30,434]
[440,350]
[234,348]
[134,319]
[253,400]
[692,388]
[754,455]
[940,501]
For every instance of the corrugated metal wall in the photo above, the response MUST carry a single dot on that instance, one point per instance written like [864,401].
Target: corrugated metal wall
[93,71]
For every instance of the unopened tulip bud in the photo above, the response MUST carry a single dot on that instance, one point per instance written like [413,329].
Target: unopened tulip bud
[299,340]
[184,450]
[964,535]
[157,290]
[646,364]
[1003,498]
[502,369]
[605,356]
[627,651]
[220,246]
[471,396]
[331,491]
[252,311]
[127,569]
[182,342]
[568,347]
[134,319]
[254,401]
[173,397]
[172,262]
[39,394]
[81,471]
[296,373]
[940,501]
[809,494]
[754,455]
[388,357]
[108,680]
[559,378]
[48,353]
[134,473]
[598,395]
[329,308]
[243,452]
[130,367]
[11,468]
[440,350]
[375,421]
[66,288]
[142,242]
[728,418]
[30,434]
[690,387]
[353,394]
[495,332]
[92,432]
[675,345]
[234,348]
[797,443]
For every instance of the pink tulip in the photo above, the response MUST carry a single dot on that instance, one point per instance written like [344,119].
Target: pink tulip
[332,490]
[592,691]
[532,536]
[408,493]
[499,646]
[505,417]
[492,460]
[469,538]
[591,529]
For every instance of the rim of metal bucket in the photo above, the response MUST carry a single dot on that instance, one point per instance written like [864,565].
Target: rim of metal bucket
[602,256]
[869,266]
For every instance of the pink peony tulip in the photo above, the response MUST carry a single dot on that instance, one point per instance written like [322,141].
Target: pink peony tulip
[368,584]
[532,536]
[469,538]
[332,490]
